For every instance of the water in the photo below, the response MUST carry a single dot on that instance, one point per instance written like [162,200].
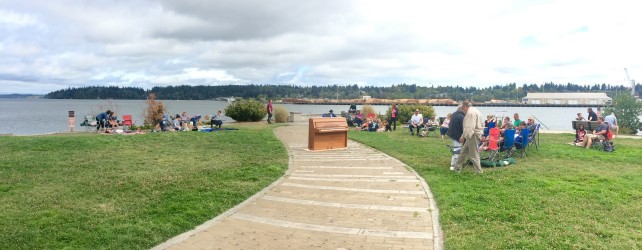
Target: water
[41,116]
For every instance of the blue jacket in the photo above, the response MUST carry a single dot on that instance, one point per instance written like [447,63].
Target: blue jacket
[101,116]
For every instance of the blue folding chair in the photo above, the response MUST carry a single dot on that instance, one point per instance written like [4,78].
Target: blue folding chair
[509,142]
[533,137]
[522,142]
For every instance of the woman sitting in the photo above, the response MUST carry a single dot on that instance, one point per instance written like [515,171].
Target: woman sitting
[365,125]
[217,120]
[373,126]
[444,126]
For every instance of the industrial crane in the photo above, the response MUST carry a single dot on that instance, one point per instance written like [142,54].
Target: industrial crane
[630,82]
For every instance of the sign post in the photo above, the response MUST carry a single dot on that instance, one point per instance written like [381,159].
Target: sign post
[72,120]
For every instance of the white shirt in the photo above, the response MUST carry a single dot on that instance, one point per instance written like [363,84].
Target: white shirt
[417,119]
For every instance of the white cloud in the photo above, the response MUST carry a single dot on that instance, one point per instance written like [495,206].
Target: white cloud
[147,43]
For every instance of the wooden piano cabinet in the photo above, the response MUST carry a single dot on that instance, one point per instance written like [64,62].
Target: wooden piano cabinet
[327,133]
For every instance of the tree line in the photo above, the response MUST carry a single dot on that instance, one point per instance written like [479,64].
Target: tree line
[400,91]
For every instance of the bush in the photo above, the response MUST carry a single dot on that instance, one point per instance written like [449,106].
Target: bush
[627,110]
[404,112]
[246,110]
[154,111]
[367,109]
[281,114]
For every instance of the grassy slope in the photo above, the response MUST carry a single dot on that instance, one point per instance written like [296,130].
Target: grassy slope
[115,191]
[558,197]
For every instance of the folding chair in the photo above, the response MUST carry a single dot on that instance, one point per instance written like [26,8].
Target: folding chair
[509,142]
[89,123]
[405,126]
[127,122]
[533,137]
[491,151]
[427,128]
[604,144]
[522,142]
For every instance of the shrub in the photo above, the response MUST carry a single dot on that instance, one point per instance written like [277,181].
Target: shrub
[367,109]
[246,110]
[154,111]
[404,112]
[281,114]
[627,110]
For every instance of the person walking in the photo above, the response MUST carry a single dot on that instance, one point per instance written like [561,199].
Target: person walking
[455,130]
[269,111]
[473,128]
[393,117]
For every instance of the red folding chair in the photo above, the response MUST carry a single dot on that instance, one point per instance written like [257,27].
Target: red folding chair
[127,122]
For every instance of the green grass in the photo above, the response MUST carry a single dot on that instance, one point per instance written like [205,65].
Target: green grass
[559,197]
[127,191]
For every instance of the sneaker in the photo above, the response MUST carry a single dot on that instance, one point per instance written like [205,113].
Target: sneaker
[452,168]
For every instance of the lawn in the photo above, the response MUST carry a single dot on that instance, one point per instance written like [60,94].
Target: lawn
[100,191]
[558,197]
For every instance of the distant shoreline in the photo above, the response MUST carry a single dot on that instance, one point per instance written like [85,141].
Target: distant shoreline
[451,104]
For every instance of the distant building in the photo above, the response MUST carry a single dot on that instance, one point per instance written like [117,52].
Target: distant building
[366,97]
[567,98]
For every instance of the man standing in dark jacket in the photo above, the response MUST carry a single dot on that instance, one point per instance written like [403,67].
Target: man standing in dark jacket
[455,130]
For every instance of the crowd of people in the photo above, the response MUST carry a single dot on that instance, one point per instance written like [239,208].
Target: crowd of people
[108,122]
[605,125]
[184,122]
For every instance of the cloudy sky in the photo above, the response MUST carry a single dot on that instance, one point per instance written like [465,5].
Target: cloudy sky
[49,45]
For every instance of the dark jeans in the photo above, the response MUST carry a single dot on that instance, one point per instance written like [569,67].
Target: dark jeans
[393,123]
[443,130]
[100,124]
[217,123]
[269,117]
[358,121]
[411,127]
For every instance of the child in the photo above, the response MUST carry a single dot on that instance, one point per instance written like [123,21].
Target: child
[579,134]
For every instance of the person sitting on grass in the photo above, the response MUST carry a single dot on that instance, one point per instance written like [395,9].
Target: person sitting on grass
[358,118]
[176,123]
[216,120]
[416,122]
[381,125]
[364,126]
[195,121]
[599,133]
[579,134]
[373,125]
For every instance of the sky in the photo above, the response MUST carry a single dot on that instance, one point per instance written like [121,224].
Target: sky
[51,45]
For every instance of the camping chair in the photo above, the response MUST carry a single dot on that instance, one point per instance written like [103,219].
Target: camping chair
[533,137]
[509,142]
[89,123]
[491,151]
[606,144]
[522,142]
[127,122]
[427,128]
[405,126]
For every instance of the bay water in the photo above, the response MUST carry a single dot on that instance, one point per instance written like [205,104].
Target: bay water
[43,116]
